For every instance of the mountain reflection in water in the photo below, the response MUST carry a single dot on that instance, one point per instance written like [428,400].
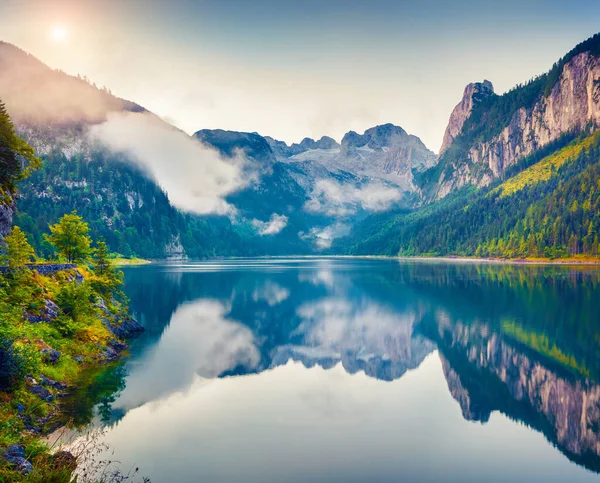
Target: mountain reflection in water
[520,340]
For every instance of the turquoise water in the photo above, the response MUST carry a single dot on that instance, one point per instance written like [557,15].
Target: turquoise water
[342,370]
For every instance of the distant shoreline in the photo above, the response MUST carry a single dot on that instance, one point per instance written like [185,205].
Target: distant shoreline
[516,261]
[452,259]
[121,262]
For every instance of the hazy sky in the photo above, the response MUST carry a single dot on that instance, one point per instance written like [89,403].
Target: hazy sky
[292,69]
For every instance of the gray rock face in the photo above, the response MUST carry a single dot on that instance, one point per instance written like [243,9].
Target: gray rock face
[573,103]
[50,355]
[175,250]
[387,151]
[384,152]
[41,392]
[473,94]
[48,313]
[122,327]
[6,216]
[47,382]
[282,150]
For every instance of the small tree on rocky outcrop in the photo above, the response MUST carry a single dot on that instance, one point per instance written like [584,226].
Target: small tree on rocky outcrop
[70,237]
[109,278]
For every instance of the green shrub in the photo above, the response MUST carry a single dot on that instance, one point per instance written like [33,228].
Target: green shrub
[14,365]
[67,326]
[75,301]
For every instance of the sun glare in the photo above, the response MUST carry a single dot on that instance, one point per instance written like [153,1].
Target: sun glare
[59,33]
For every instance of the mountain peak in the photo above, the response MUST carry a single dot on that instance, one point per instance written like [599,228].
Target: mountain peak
[376,137]
[473,94]
[229,142]
[386,151]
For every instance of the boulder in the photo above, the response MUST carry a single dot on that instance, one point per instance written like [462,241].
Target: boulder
[109,354]
[126,328]
[117,346]
[15,455]
[50,355]
[48,313]
[42,392]
[123,327]
[64,459]
[47,382]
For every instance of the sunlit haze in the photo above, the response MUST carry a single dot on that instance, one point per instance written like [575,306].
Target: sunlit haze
[296,69]
[59,33]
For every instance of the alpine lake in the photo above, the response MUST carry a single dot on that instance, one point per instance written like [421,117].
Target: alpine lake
[356,370]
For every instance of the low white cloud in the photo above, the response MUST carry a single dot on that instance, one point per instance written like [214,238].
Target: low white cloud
[195,177]
[272,227]
[323,236]
[200,341]
[336,199]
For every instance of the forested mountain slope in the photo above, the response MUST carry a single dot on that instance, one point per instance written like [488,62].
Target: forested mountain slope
[122,202]
[122,206]
[518,175]
[152,191]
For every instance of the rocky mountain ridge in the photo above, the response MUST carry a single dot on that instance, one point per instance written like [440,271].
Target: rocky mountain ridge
[386,152]
[474,93]
[564,100]
[309,190]
[282,150]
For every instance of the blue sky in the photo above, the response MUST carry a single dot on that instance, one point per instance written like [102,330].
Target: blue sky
[292,69]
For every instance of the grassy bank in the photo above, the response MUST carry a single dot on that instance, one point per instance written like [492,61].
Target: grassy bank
[121,261]
[574,260]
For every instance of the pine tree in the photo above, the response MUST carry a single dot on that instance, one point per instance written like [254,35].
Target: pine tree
[17,158]
[101,263]
[109,278]
[18,251]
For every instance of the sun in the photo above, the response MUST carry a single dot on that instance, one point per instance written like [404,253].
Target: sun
[59,33]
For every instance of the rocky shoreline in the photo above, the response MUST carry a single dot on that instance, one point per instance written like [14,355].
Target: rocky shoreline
[114,328]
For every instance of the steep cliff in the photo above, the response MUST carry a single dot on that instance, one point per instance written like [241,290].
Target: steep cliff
[474,93]
[489,133]
[6,217]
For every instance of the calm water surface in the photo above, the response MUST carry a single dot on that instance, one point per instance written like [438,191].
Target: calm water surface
[338,370]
